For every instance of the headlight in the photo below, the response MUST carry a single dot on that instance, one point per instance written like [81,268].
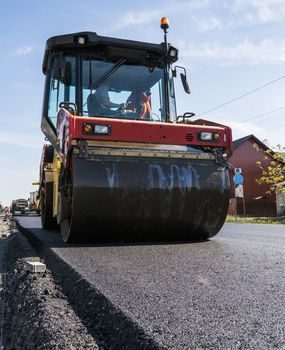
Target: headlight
[96,129]
[80,39]
[209,136]
[172,54]
[101,129]
[205,136]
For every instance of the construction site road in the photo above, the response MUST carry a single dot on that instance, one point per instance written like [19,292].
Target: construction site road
[226,293]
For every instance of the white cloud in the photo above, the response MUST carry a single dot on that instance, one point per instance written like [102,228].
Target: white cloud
[268,51]
[213,15]
[210,24]
[244,127]
[18,140]
[135,17]
[241,129]
[238,14]
[253,12]
[23,51]
[209,15]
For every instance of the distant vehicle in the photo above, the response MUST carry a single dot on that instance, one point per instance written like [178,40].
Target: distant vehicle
[19,206]
[34,202]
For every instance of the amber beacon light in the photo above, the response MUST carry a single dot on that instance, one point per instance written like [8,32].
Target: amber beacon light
[164,24]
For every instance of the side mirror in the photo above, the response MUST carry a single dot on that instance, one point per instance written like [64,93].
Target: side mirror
[185,83]
[183,78]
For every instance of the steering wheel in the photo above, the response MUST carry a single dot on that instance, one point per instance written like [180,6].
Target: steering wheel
[123,108]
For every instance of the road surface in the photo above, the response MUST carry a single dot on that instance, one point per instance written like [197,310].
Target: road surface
[227,293]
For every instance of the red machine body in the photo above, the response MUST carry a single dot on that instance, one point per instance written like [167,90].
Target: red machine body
[72,128]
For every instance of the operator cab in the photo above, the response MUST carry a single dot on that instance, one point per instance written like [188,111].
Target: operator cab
[77,65]
[127,83]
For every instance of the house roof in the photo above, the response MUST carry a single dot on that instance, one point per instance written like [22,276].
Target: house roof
[240,141]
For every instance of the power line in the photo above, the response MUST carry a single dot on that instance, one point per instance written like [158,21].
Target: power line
[241,96]
[272,118]
[276,126]
[261,115]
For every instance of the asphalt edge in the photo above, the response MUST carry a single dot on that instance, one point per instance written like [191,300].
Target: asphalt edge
[33,304]
[111,328]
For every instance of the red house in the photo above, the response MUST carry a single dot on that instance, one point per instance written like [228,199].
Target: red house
[255,202]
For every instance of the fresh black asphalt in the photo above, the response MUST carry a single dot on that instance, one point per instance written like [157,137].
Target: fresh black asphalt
[226,293]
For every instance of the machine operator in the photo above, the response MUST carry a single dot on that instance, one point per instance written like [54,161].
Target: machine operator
[99,103]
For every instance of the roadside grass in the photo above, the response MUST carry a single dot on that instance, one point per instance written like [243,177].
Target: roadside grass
[255,220]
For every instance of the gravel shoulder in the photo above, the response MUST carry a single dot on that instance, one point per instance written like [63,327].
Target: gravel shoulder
[5,230]
[37,313]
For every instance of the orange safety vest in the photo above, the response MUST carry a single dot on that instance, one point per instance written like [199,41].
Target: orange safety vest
[139,102]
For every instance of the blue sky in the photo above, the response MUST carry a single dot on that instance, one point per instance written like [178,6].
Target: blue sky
[228,48]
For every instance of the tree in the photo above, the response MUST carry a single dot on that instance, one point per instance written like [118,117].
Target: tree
[273,175]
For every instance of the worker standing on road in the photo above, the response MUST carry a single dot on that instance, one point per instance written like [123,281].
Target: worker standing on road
[6,212]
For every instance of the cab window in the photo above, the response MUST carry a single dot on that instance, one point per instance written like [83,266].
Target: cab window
[62,85]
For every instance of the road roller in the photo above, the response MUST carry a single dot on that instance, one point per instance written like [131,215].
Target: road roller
[119,161]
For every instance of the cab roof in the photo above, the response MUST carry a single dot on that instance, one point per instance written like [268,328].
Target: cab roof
[108,48]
